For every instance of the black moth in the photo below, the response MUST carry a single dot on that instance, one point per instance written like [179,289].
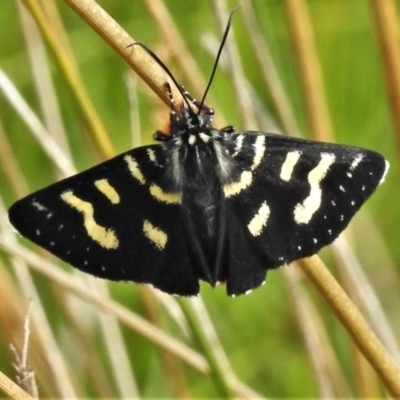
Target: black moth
[206,203]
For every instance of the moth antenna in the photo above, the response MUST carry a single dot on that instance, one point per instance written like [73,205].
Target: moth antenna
[165,68]
[228,26]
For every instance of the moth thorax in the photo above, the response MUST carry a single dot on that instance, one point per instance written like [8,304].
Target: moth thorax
[224,162]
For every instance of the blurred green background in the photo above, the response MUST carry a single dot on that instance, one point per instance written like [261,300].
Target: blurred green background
[260,333]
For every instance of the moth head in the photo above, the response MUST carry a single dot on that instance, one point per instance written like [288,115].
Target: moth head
[184,123]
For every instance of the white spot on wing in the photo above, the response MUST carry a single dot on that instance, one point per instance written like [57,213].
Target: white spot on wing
[290,162]
[356,161]
[259,221]
[303,212]
[39,206]
[342,188]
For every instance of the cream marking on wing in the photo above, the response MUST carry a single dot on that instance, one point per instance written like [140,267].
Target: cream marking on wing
[342,188]
[134,169]
[303,212]
[387,166]
[152,156]
[234,188]
[160,195]
[290,162]
[259,150]
[239,144]
[155,235]
[358,158]
[104,186]
[103,236]
[260,220]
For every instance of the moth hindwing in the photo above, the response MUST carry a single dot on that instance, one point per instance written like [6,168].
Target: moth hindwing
[205,204]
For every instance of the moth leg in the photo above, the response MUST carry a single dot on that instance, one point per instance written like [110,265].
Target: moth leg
[227,129]
[172,113]
[160,136]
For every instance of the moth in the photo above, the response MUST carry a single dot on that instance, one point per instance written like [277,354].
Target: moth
[204,204]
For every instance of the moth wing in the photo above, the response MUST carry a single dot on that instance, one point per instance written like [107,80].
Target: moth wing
[114,221]
[290,198]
